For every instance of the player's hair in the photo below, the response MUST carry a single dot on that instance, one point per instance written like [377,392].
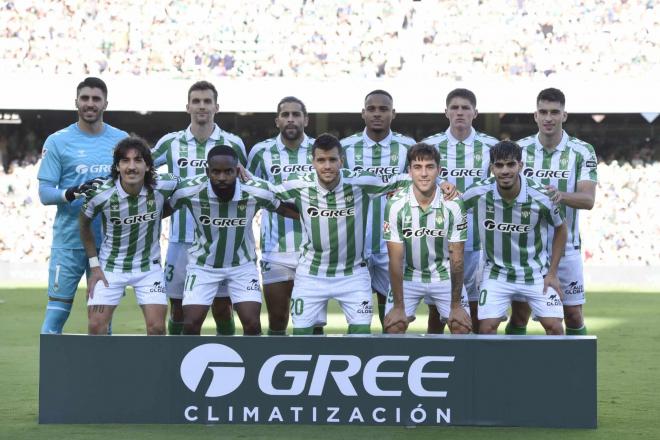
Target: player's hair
[421,151]
[93,83]
[504,150]
[222,150]
[462,93]
[551,95]
[203,85]
[378,92]
[140,145]
[326,142]
[294,100]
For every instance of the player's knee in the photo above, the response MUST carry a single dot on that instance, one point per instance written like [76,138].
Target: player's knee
[553,327]
[155,328]
[487,328]
[573,317]
[97,327]
[251,326]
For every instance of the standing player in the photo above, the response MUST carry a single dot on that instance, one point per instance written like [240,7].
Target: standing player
[223,250]
[464,154]
[281,238]
[379,150]
[426,235]
[70,157]
[567,168]
[131,205]
[514,215]
[185,153]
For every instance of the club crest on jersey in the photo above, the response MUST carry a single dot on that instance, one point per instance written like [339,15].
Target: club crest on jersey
[135,219]
[462,172]
[525,214]
[348,198]
[313,211]
[184,162]
[150,203]
[242,205]
[477,157]
[563,162]
[395,158]
[222,222]
[546,174]
[422,232]
[491,225]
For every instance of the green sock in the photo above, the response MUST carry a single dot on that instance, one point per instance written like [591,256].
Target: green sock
[226,327]
[359,329]
[582,331]
[513,330]
[174,328]
[272,332]
[318,330]
[303,330]
[381,314]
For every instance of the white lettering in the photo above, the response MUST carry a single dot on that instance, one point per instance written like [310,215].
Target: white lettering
[210,417]
[275,413]
[356,415]
[268,369]
[371,374]
[376,418]
[296,410]
[188,413]
[445,416]
[250,413]
[333,412]
[342,378]
[416,373]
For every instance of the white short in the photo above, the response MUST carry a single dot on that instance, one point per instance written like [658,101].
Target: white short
[202,283]
[278,266]
[311,294]
[149,288]
[571,277]
[436,293]
[175,271]
[472,274]
[379,272]
[495,298]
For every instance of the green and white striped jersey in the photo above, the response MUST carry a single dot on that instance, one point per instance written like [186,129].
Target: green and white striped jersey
[425,234]
[186,157]
[385,159]
[572,161]
[514,236]
[131,224]
[271,160]
[334,221]
[464,163]
[223,230]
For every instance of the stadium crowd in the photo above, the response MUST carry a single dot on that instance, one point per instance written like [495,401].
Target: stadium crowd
[330,39]
[618,231]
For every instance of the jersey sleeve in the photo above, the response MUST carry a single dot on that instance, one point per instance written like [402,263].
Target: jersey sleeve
[160,151]
[553,215]
[374,186]
[239,147]
[587,167]
[391,225]
[255,162]
[263,192]
[50,169]
[457,228]
[289,190]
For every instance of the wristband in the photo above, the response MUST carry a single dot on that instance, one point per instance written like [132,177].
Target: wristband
[94,262]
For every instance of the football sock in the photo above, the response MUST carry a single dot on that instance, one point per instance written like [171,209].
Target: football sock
[513,330]
[57,313]
[318,330]
[582,331]
[226,327]
[303,330]
[272,332]
[174,328]
[359,329]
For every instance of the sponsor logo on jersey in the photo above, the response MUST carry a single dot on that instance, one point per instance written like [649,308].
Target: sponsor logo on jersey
[379,171]
[277,169]
[591,163]
[225,364]
[94,169]
[546,174]
[491,225]
[365,308]
[462,172]
[184,162]
[135,219]
[313,211]
[221,222]
[462,226]
[44,152]
[423,232]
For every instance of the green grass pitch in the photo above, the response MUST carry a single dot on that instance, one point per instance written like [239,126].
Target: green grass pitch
[626,324]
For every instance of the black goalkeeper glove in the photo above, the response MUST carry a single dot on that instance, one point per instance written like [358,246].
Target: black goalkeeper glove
[78,191]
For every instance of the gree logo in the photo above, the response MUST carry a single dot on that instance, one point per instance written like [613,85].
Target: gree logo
[194,163]
[225,366]
[96,169]
[277,169]
[547,174]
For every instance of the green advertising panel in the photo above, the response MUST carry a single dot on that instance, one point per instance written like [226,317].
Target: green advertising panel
[361,380]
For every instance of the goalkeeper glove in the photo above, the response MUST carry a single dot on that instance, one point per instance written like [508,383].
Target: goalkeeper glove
[78,191]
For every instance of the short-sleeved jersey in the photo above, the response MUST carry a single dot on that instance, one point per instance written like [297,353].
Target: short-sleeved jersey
[571,162]
[271,160]
[385,159]
[70,157]
[424,233]
[131,224]
[223,230]
[514,236]
[464,163]
[334,221]
[186,157]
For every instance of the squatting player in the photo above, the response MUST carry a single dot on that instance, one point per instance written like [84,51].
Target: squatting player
[464,155]
[131,204]
[379,150]
[425,234]
[70,157]
[185,153]
[223,250]
[567,168]
[514,214]
[281,238]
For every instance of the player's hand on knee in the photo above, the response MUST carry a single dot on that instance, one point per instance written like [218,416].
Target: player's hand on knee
[96,276]
[459,321]
[396,321]
[552,281]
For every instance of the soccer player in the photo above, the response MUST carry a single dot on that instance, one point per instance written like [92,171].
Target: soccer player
[425,234]
[222,209]
[383,152]
[333,203]
[464,155]
[71,157]
[281,238]
[567,168]
[514,215]
[131,205]
[185,153]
